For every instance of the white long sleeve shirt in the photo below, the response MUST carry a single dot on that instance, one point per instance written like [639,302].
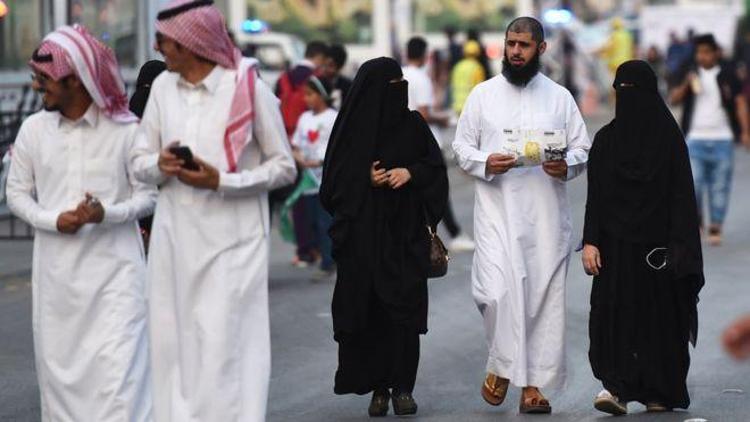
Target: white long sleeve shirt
[88,288]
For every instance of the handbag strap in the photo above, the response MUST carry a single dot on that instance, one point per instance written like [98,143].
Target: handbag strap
[432,231]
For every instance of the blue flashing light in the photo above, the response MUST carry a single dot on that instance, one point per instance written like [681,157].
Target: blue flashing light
[557,16]
[254,26]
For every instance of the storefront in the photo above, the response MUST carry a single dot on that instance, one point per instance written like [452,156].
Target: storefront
[125,25]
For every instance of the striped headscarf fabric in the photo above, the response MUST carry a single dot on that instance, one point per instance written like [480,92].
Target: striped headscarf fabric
[52,60]
[200,27]
[74,50]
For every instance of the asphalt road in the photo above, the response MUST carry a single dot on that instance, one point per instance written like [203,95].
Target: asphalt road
[453,352]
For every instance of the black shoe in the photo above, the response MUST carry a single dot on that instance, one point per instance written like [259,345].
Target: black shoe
[379,403]
[404,404]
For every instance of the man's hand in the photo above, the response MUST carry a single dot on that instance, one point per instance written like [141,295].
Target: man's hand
[169,164]
[206,177]
[90,210]
[557,169]
[398,177]
[378,177]
[736,338]
[592,260]
[499,163]
[68,222]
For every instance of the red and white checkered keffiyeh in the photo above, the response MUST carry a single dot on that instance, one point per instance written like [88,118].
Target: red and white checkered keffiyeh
[199,27]
[74,50]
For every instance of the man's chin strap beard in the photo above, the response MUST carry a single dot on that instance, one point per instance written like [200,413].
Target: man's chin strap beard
[521,75]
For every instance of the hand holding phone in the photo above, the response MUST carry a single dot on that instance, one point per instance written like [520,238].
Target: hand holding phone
[183,153]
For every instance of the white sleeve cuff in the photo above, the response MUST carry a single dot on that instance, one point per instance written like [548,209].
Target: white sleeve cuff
[47,220]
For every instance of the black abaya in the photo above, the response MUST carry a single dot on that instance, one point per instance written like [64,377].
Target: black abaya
[380,240]
[641,197]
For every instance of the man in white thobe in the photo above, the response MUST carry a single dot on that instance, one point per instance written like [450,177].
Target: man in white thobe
[208,256]
[521,219]
[70,178]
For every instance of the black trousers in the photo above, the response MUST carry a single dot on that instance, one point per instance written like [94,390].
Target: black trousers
[449,219]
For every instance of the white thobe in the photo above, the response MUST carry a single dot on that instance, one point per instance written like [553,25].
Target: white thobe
[208,256]
[521,226]
[88,289]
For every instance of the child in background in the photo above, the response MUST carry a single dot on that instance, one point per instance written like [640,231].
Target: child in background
[309,144]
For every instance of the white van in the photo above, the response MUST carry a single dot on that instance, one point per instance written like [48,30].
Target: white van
[275,51]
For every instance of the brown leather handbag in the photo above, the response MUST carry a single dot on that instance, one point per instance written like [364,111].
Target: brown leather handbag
[439,255]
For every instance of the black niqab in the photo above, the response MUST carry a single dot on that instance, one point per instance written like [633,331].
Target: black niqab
[149,71]
[395,104]
[644,126]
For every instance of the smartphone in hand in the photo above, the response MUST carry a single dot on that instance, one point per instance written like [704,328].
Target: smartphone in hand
[184,154]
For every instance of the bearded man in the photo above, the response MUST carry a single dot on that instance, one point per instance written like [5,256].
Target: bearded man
[521,217]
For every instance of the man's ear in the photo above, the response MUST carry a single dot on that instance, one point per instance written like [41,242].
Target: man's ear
[542,47]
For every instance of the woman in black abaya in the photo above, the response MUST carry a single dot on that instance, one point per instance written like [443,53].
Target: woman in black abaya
[384,180]
[642,244]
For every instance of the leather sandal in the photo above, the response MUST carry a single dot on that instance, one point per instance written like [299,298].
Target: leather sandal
[655,407]
[495,389]
[534,405]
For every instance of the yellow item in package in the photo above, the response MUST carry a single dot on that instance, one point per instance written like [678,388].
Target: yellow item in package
[532,147]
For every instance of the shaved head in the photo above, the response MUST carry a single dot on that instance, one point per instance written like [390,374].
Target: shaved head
[527,24]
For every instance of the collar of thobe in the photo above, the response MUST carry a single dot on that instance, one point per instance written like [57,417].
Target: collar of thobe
[91,117]
[210,82]
[531,83]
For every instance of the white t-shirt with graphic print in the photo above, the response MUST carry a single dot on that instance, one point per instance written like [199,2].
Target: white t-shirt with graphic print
[311,138]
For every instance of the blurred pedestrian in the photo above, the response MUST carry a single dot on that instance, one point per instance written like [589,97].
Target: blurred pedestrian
[453,54]
[455,51]
[421,99]
[569,51]
[309,144]
[290,88]
[467,74]
[421,90]
[71,179]
[149,71]
[335,60]
[440,75]
[642,245]
[213,139]
[736,338]
[655,59]
[619,47]
[473,35]
[679,53]
[384,182]
[714,113]
[521,219]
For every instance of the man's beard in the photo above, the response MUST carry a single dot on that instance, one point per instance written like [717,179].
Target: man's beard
[521,75]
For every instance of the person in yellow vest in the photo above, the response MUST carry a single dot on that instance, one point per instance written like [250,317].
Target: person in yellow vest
[467,74]
[619,47]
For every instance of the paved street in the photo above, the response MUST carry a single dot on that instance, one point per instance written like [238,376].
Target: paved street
[454,351]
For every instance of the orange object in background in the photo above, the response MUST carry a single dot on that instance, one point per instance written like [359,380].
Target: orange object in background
[3,9]
[494,51]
